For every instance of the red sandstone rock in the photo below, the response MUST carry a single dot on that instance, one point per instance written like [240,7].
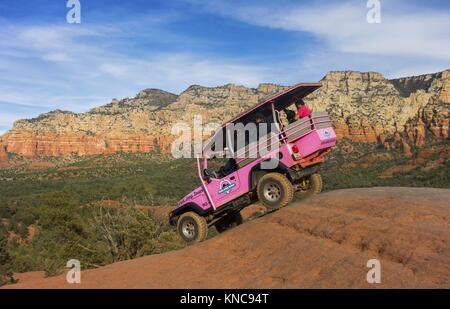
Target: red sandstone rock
[364,107]
[416,132]
[381,139]
[406,149]
[3,153]
[49,144]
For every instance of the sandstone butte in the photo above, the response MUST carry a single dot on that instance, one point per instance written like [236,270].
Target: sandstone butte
[365,107]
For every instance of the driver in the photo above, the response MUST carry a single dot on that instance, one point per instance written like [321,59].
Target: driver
[290,115]
[229,167]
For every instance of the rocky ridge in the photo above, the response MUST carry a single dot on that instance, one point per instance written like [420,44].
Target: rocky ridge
[364,106]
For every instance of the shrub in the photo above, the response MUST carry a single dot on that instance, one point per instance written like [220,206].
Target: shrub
[95,236]
[6,275]
[128,233]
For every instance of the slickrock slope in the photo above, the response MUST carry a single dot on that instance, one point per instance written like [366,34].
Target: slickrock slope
[324,242]
[365,107]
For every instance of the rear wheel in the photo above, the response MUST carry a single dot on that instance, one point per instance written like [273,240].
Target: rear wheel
[274,191]
[309,186]
[228,222]
[192,227]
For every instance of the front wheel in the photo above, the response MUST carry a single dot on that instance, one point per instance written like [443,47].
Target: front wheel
[192,227]
[274,191]
[309,186]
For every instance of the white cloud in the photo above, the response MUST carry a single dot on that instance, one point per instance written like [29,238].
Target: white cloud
[92,54]
[56,67]
[7,118]
[57,57]
[343,26]
[176,71]
[114,69]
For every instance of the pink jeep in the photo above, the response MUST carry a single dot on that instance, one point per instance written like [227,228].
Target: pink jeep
[298,150]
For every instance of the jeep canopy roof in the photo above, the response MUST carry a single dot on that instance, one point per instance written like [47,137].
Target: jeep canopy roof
[280,101]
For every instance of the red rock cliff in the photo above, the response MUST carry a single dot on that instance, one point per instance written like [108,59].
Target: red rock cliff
[365,107]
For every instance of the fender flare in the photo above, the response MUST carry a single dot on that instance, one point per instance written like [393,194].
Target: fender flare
[256,172]
[185,208]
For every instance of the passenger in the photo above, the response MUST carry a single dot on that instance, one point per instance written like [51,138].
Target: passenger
[290,115]
[302,109]
[259,119]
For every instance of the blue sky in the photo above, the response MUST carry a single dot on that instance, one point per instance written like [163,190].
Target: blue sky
[122,47]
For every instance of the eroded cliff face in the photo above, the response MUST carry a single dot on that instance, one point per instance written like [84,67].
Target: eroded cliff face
[130,125]
[365,107]
[434,89]
[3,153]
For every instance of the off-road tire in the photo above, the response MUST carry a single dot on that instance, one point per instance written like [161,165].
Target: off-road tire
[282,191]
[192,227]
[228,222]
[314,186]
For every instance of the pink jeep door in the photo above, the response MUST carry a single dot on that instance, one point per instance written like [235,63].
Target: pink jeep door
[225,189]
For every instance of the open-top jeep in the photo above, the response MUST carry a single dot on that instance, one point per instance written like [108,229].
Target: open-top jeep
[286,169]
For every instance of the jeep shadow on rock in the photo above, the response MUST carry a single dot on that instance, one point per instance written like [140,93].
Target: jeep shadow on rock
[287,167]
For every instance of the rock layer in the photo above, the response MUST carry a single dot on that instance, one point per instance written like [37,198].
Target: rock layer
[3,153]
[365,107]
